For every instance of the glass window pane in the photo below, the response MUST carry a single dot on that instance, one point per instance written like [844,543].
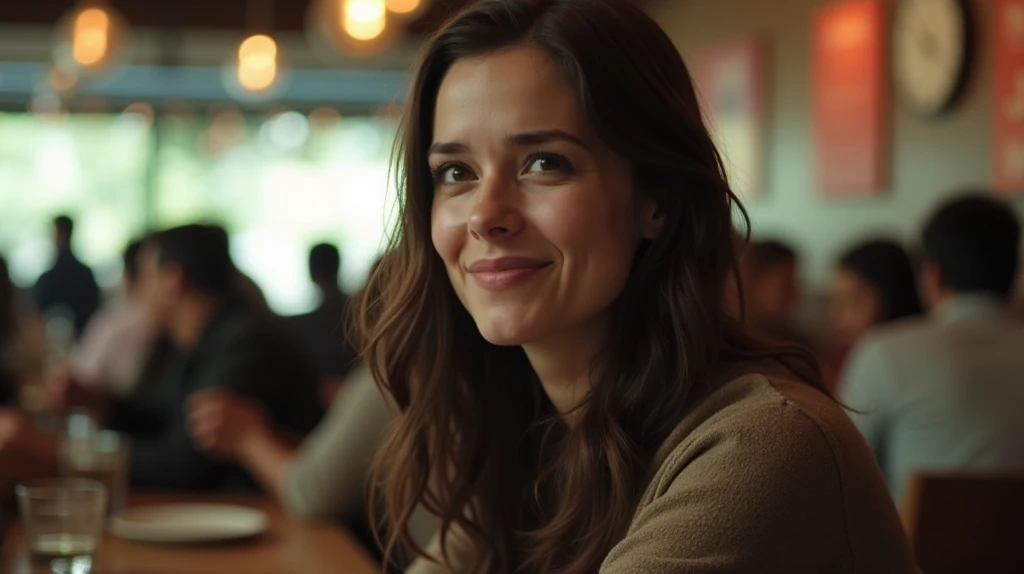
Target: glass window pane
[92,167]
[279,185]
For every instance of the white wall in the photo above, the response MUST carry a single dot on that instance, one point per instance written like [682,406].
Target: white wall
[930,159]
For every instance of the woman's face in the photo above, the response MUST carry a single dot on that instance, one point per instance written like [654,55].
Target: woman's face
[536,219]
[854,306]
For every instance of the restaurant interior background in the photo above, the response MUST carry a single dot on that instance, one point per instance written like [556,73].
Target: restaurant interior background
[926,157]
[163,134]
[839,121]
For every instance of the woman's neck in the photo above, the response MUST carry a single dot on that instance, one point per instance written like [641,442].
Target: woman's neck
[564,363]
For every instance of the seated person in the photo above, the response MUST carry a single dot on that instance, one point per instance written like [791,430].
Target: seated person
[771,291]
[219,341]
[574,398]
[323,331]
[944,393]
[113,348]
[326,476]
[873,284]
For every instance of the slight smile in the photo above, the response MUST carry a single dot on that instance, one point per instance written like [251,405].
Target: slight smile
[505,272]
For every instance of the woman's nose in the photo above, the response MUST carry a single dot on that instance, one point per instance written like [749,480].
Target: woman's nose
[496,214]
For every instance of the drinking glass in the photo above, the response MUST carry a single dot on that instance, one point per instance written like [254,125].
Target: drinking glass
[63,519]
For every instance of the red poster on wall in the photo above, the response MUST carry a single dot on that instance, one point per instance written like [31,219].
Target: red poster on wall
[731,82]
[850,95]
[1008,108]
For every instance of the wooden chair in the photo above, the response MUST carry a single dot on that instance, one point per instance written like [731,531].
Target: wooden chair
[966,523]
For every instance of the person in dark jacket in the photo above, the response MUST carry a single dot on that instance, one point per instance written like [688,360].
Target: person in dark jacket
[220,340]
[69,285]
[323,332]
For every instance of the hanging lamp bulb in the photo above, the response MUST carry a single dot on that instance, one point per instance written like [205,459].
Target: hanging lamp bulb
[353,27]
[257,63]
[363,20]
[89,38]
[256,70]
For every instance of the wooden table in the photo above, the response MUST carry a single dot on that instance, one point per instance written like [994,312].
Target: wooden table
[288,547]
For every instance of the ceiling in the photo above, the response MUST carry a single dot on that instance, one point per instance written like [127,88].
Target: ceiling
[193,36]
[282,15]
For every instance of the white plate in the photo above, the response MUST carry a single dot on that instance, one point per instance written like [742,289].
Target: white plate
[184,523]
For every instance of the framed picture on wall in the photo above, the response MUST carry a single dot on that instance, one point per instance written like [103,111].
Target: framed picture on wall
[731,83]
[1008,91]
[850,98]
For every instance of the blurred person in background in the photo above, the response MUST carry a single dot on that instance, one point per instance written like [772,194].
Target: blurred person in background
[873,284]
[111,352]
[731,300]
[325,476]
[323,332]
[220,340]
[69,286]
[25,452]
[770,272]
[8,336]
[944,393]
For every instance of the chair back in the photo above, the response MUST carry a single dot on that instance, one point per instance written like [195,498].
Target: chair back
[966,523]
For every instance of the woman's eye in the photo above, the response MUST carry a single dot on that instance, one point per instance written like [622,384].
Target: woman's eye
[454,174]
[543,163]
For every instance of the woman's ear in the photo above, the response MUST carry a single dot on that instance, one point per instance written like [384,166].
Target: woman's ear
[652,219]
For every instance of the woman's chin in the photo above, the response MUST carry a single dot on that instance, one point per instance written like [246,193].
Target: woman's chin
[503,334]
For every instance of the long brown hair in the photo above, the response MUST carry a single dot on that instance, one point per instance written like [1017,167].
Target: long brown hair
[478,442]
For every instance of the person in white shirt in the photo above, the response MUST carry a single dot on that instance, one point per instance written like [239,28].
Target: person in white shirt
[945,392]
[116,341]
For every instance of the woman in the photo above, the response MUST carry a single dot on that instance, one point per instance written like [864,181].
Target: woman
[573,395]
[874,283]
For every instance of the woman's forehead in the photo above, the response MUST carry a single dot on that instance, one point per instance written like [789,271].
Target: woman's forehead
[507,91]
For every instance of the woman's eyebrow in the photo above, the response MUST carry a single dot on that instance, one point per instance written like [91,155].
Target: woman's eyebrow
[518,140]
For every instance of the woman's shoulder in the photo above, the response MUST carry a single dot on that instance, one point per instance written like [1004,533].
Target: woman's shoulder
[760,417]
[767,473]
[767,401]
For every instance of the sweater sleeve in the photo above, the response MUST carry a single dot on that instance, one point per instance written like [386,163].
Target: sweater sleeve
[757,495]
[329,475]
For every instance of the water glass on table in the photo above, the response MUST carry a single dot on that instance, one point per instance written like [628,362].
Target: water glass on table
[63,520]
[101,456]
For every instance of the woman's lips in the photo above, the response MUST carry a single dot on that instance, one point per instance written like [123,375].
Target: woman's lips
[506,272]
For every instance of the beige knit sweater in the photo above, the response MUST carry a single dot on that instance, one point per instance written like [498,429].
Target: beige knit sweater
[763,475]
